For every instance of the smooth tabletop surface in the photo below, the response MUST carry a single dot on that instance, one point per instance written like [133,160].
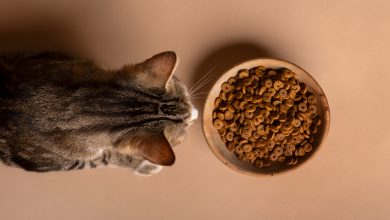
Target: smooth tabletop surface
[344,45]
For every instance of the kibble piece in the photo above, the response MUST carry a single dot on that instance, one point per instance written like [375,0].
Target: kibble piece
[243,74]
[302,107]
[231,146]
[239,149]
[283,94]
[229,136]
[226,87]
[259,163]
[312,100]
[273,157]
[218,123]
[268,83]
[278,85]
[228,115]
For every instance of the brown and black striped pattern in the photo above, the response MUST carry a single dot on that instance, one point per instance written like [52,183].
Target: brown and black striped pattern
[63,113]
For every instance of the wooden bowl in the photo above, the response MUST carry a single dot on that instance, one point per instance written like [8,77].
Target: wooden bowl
[228,158]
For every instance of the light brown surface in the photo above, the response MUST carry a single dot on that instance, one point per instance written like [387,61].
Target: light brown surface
[344,44]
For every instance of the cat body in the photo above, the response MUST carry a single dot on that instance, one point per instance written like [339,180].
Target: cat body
[63,113]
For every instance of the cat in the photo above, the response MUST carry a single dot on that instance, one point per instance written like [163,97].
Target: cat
[61,113]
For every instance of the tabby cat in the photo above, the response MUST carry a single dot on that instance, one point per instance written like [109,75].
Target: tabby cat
[58,112]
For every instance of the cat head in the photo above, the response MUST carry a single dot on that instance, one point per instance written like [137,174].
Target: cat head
[156,142]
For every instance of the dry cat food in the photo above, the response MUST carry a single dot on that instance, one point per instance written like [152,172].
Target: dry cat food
[266,116]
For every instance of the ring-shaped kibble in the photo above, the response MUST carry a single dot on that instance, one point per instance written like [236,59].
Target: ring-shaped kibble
[268,83]
[248,97]
[230,96]
[302,107]
[289,103]
[226,87]
[278,85]
[239,95]
[283,93]
[301,151]
[271,91]
[307,147]
[290,161]
[239,149]
[312,100]
[248,81]
[218,123]
[296,123]
[223,106]
[231,146]
[243,89]
[223,96]
[278,150]
[241,157]
[283,118]
[229,136]
[256,99]
[259,163]
[228,115]
[298,97]
[292,94]
[249,155]
[313,109]
[248,114]
[255,84]
[220,115]
[266,162]
[243,74]
[281,158]
[314,130]
[214,114]
[266,95]
[273,157]
[236,105]
[251,107]
[217,102]
[296,87]
[222,131]
[246,147]
[271,73]
[232,81]
[274,114]
[303,89]
[243,104]
[279,137]
[276,102]
[288,73]
[262,90]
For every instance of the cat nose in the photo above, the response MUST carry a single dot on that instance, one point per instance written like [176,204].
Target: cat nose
[194,113]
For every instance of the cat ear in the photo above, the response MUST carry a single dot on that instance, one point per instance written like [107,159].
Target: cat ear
[157,150]
[159,69]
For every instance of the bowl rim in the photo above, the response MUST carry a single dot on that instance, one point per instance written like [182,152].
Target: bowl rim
[246,172]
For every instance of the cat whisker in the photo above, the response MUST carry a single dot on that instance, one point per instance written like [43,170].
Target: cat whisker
[201,79]
[207,80]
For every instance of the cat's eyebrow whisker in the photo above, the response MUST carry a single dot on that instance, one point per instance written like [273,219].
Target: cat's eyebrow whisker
[203,77]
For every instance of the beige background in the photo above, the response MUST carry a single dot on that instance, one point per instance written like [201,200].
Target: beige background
[344,44]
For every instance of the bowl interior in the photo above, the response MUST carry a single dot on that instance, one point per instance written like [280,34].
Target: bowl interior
[228,158]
